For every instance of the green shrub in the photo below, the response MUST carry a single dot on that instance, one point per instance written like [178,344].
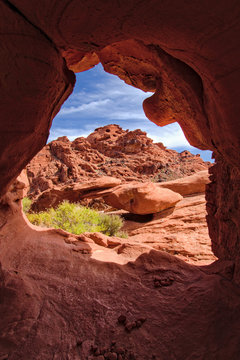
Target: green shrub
[77,219]
[40,219]
[26,203]
[111,224]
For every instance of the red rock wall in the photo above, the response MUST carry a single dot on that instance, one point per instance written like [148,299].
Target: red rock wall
[223,207]
[34,83]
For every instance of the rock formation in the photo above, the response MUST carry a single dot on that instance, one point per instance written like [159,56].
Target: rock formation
[108,151]
[135,197]
[188,185]
[73,192]
[180,231]
[62,299]
[145,198]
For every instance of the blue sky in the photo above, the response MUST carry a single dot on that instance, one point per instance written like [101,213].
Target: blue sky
[100,99]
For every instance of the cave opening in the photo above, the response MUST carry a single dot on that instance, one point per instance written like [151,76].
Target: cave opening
[102,131]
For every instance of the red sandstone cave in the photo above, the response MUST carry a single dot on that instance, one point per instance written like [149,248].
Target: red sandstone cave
[56,300]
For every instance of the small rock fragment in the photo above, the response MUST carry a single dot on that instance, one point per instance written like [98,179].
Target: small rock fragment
[138,323]
[158,282]
[128,327]
[103,350]
[119,350]
[4,357]
[97,352]
[122,319]
[111,356]
[131,356]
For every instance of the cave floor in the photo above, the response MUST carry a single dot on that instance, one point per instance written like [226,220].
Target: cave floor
[61,299]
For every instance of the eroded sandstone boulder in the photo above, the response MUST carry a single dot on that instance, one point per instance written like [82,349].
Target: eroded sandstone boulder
[122,195]
[146,198]
[188,185]
[181,231]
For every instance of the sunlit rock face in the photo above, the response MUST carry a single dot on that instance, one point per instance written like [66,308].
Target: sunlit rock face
[108,151]
[141,198]
[188,53]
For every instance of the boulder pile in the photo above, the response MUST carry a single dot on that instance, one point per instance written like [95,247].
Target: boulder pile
[108,151]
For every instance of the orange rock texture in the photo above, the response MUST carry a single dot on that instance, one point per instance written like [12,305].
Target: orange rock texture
[180,231]
[188,54]
[140,198]
[188,185]
[109,151]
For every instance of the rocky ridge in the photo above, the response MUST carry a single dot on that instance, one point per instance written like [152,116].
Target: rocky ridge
[108,151]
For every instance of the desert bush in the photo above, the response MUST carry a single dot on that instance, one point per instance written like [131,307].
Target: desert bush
[26,203]
[42,218]
[77,219]
[111,224]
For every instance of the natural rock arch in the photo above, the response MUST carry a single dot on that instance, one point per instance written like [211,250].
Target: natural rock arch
[188,53]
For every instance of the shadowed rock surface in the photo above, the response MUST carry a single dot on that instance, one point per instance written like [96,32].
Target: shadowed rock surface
[67,295]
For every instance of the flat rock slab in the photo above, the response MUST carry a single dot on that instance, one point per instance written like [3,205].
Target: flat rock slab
[188,185]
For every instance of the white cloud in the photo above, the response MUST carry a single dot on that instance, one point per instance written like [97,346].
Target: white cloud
[94,105]
[105,99]
[124,115]
[170,135]
[70,133]
[111,99]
